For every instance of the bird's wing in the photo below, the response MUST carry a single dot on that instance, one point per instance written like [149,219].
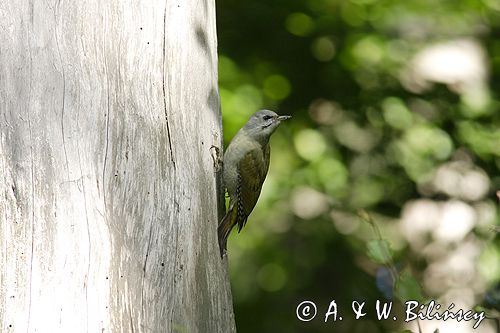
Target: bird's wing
[252,170]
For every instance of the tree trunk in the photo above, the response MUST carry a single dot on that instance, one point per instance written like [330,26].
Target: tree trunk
[108,192]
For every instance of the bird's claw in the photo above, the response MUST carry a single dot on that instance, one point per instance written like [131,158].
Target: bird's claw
[215,151]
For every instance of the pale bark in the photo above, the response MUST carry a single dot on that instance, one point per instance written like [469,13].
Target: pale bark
[108,194]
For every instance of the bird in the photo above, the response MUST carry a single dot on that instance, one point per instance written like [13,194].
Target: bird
[245,166]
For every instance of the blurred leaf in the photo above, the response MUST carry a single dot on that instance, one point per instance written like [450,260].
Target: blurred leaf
[407,288]
[379,250]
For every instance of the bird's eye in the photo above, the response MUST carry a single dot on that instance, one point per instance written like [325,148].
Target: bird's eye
[266,117]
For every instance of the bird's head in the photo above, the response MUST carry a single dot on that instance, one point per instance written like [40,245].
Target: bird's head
[262,124]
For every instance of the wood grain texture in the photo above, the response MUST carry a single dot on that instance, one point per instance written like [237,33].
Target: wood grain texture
[108,195]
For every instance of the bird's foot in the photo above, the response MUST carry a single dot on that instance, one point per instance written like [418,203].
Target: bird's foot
[216,156]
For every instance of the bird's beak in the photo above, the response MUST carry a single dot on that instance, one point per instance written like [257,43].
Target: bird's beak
[281,118]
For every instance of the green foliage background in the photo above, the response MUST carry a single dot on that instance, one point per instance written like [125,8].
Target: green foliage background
[368,135]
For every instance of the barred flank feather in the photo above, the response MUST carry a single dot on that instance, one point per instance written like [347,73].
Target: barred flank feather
[226,224]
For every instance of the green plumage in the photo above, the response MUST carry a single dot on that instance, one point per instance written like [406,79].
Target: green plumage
[246,163]
[244,190]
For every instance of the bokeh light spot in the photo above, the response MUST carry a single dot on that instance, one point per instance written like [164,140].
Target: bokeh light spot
[299,24]
[359,139]
[429,140]
[457,219]
[333,175]
[277,87]
[309,144]
[271,277]
[489,261]
[228,71]
[396,113]
[308,203]
[368,50]
[323,49]
[353,14]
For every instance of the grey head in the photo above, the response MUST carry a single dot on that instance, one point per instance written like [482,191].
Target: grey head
[262,124]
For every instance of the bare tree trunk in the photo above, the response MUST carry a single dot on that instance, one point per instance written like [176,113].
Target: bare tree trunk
[108,203]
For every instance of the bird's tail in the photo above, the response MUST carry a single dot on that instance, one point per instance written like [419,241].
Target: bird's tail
[226,224]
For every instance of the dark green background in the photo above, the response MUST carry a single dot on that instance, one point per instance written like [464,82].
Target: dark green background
[371,131]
